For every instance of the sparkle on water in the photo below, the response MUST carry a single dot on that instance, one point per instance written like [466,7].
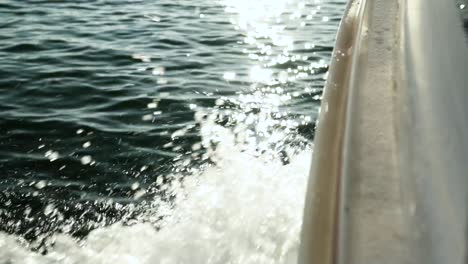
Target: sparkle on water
[243,203]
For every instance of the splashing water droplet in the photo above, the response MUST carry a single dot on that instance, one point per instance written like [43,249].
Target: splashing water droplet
[86,160]
[40,184]
[52,155]
[139,194]
[152,105]
[135,186]
[196,146]
[178,133]
[147,117]
[49,209]
[219,102]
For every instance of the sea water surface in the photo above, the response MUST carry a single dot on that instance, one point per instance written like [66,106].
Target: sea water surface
[157,131]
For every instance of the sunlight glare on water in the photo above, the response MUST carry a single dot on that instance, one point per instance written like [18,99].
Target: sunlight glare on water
[236,194]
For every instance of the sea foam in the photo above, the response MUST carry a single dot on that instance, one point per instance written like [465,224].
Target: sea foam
[243,209]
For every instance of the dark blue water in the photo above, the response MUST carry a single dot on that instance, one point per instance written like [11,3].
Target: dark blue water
[99,99]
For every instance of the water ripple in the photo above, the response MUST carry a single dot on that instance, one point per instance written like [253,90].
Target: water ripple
[97,95]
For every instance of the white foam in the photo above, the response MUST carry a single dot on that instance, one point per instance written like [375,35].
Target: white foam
[245,209]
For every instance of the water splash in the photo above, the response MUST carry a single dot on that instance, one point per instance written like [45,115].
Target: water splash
[244,209]
[234,197]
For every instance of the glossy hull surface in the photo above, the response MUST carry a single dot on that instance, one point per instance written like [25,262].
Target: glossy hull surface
[388,178]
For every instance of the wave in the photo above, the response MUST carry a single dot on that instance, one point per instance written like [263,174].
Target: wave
[243,209]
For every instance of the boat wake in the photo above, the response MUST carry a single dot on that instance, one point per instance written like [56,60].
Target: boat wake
[244,208]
